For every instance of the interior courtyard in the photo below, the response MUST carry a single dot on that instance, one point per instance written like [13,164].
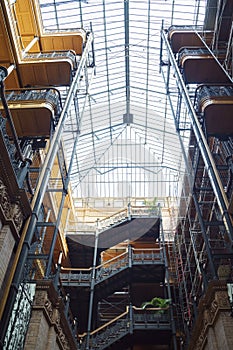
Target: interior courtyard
[116,174]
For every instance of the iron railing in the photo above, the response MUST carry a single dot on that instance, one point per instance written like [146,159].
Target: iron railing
[132,319]
[83,276]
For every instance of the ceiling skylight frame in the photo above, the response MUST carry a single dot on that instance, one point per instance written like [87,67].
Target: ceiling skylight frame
[107,103]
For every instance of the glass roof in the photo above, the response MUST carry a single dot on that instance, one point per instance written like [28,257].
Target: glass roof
[127,144]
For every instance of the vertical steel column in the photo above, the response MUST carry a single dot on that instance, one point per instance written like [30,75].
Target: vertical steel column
[44,231]
[130,256]
[147,71]
[129,211]
[61,206]
[30,226]
[168,284]
[64,193]
[131,323]
[92,290]
[57,273]
[127,82]
[107,68]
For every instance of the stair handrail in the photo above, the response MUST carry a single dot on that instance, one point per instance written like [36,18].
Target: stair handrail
[82,275]
[76,268]
[147,310]
[128,316]
[127,213]
[111,219]
[102,328]
[117,262]
[159,249]
[125,262]
[122,315]
[97,330]
[125,253]
[90,268]
[71,272]
[145,210]
[124,215]
[112,266]
[147,254]
[150,308]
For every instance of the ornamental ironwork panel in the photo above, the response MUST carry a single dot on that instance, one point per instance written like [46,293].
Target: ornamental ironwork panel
[19,321]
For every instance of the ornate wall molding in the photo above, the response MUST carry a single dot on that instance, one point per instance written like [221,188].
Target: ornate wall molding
[5,200]
[8,178]
[211,305]
[11,213]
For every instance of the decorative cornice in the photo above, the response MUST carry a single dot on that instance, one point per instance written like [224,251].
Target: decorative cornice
[213,302]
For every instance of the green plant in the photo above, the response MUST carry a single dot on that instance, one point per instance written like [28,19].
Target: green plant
[157,302]
[152,205]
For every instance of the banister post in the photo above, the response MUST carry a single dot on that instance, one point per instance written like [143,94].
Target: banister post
[93,275]
[129,214]
[130,255]
[57,273]
[130,318]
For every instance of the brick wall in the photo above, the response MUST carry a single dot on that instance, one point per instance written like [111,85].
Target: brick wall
[7,243]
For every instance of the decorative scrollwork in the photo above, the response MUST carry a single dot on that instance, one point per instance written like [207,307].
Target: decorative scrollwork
[10,147]
[213,310]
[12,211]
[40,298]
[49,307]
[222,299]
[61,334]
[17,216]
[19,322]
[5,200]
[200,341]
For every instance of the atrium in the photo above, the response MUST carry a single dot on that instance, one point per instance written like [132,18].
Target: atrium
[116,174]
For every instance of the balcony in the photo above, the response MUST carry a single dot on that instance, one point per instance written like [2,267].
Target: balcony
[215,105]
[48,68]
[35,112]
[184,36]
[40,58]
[26,24]
[198,65]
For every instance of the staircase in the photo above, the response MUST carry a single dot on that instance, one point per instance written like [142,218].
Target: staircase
[114,220]
[131,257]
[127,323]
[113,305]
[119,268]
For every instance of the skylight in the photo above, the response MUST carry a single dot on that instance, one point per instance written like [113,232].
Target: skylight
[127,146]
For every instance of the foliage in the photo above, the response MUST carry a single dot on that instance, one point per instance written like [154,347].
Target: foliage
[150,203]
[157,302]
